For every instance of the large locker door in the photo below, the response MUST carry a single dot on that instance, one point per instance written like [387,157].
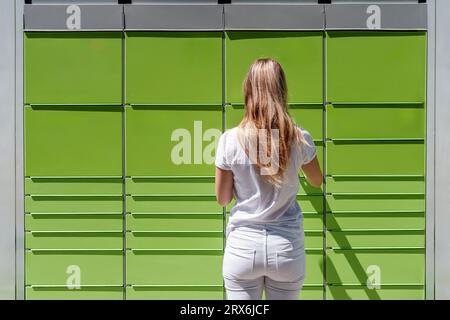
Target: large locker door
[300,54]
[375,150]
[173,120]
[73,165]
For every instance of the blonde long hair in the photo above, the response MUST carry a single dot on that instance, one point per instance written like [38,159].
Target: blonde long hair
[266,111]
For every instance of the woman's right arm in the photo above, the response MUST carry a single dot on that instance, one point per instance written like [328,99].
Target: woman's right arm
[313,173]
[308,160]
[224,186]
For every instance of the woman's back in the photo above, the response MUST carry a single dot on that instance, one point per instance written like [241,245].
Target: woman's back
[258,163]
[257,200]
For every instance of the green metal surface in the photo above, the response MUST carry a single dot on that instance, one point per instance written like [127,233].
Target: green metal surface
[303,69]
[376,221]
[308,292]
[375,157]
[376,239]
[170,185]
[376,163]
[175,240]
[173,67]
[376,121]
[383,293]
[311,293]
[314,239]
[313,221]
[73,222]
[174,267]
[83,293]
[310,203]
[396,266]
[175,292]
[73,204]
[157,128]
[375,202]
[374,66]
[314,267]
[172,204]
[73,141]
[175,222]
[54,267]
[73,240]
[74,185]
[375,184]
[73,68]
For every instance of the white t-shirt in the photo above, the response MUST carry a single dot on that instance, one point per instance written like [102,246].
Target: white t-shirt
[258,201]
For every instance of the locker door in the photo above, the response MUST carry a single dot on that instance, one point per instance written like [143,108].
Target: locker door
[173,68]
[73,165]
[73,141]
[173,120]
[300,54]
[73,68]
[179,133]
[376,66]
[375,150]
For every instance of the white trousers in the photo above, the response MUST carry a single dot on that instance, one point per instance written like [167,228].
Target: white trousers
[257,258]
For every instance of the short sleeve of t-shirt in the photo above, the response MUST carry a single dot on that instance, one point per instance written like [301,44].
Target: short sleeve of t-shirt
[222,160]
[308,151]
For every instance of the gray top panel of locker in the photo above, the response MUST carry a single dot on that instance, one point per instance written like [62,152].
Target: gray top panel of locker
[380,16]
[174,17]
[274,17]
[74,2]
[73,17]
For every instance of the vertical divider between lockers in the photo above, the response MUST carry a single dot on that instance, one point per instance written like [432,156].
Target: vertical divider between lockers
[124,190]
[425,161]
[224,209]
[324,141]
[23,249]
[23,165]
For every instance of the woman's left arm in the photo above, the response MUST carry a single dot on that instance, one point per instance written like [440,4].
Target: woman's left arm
[224,186]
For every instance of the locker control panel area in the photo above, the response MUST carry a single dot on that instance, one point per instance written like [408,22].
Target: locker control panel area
[122,107]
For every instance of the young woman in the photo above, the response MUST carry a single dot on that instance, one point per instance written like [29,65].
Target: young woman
[258,163]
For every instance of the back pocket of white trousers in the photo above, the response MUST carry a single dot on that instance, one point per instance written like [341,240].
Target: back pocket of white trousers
[291,265]
[238,263]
